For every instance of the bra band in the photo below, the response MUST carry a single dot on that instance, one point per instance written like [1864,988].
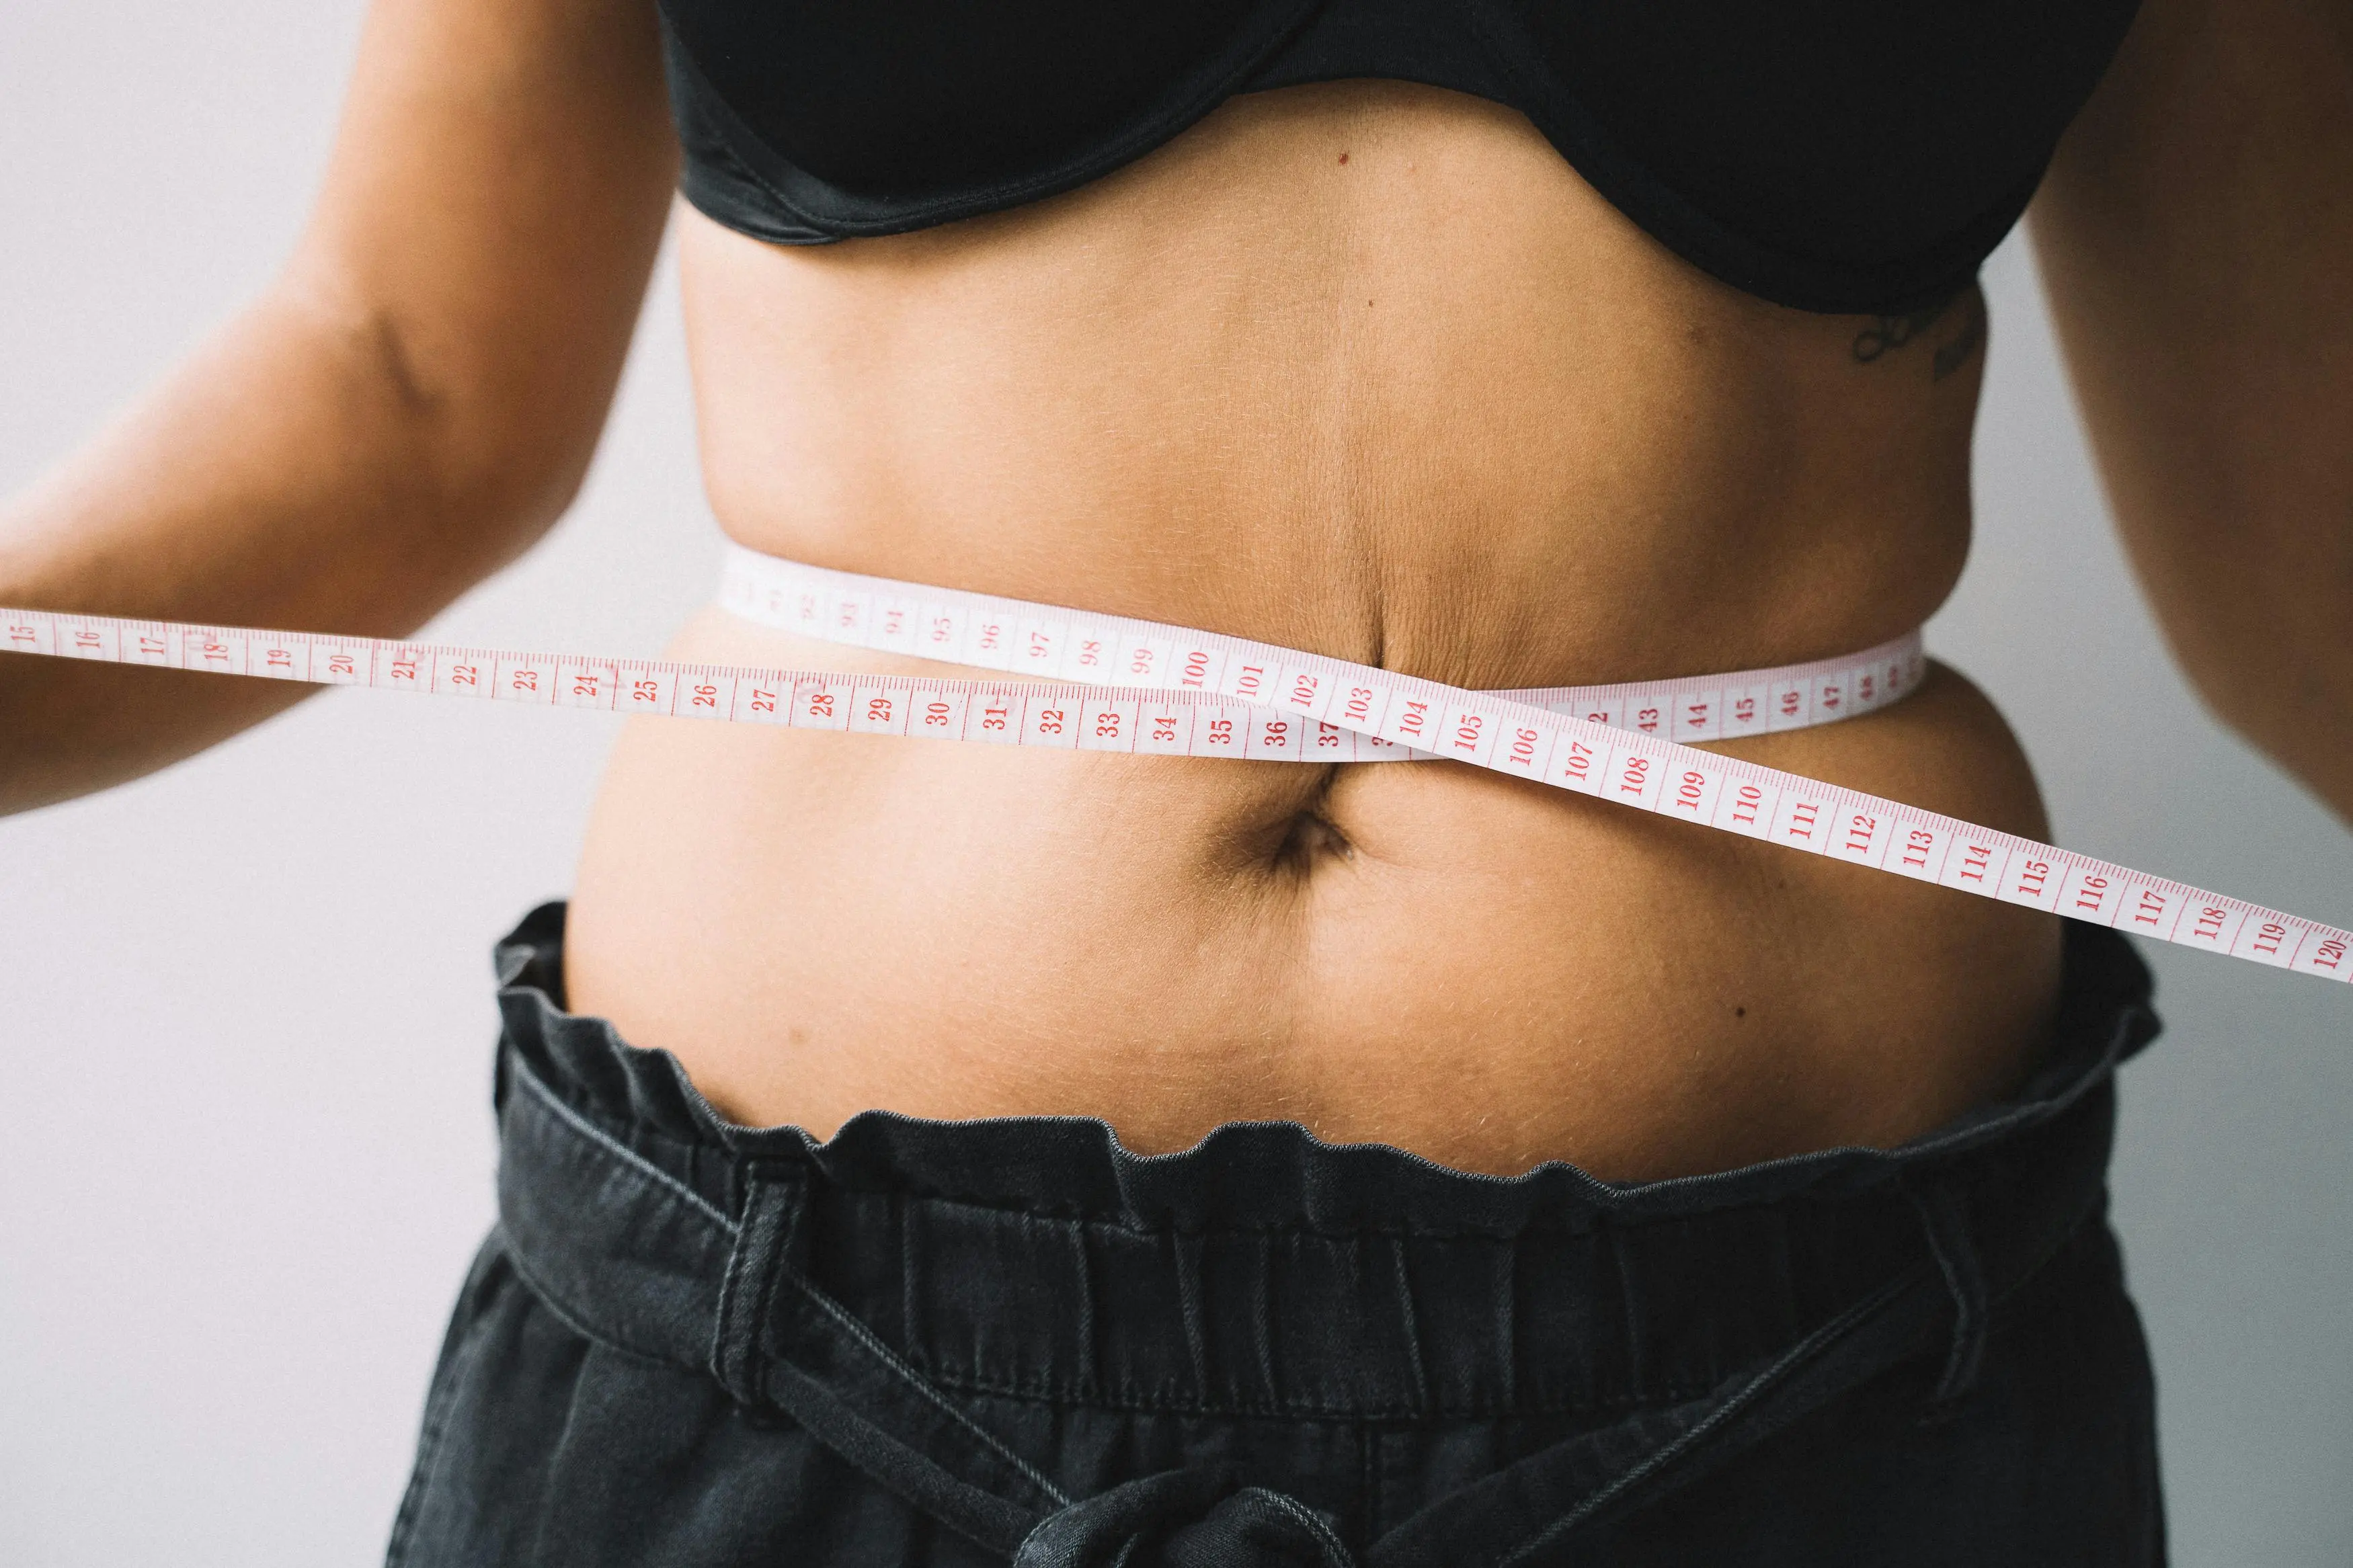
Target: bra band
[1018,638]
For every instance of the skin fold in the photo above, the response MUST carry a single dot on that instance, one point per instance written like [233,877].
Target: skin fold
[1363,368]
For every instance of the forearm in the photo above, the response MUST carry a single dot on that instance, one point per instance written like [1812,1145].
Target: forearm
[2196,235]
[2227,471]
[408,407]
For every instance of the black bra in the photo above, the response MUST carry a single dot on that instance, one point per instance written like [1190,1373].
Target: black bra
[1845,155]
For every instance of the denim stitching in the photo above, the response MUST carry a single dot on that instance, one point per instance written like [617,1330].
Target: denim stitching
[1129,1396]
[1315,1524]
[873,1345]
[1884,1175]
[1090,1345]
[1945,1224]
[1507,1311]
[1748,1393]
[722,1320]
[578,1321]
[428,1468]
[1263,1319]
[1537,1224]
[736,1359]
[1189,1306]
[430,1447]
[1413,1326]
[621,1151]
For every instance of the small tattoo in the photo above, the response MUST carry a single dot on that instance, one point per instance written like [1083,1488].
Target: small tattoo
[1886,333]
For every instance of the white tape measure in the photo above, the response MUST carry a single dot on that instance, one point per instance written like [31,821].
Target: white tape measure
[1109,683]
[1041,641]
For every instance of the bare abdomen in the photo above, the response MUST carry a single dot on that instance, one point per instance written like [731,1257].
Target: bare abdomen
[1434,407]
[1487,972]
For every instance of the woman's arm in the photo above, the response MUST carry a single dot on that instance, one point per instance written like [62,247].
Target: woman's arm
[2196,233]
[405,408]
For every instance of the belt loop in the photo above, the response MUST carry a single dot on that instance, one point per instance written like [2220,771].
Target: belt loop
[1943,1213]
[772,1205]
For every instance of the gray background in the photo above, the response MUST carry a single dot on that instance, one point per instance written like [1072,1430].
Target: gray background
[244,1010]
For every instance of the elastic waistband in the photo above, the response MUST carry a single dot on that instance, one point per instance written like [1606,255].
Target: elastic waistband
[1262,1270]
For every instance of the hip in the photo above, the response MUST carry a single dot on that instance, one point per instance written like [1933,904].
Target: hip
[952,1343]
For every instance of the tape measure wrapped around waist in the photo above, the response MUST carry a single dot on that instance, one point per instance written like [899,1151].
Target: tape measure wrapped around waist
[1110,683]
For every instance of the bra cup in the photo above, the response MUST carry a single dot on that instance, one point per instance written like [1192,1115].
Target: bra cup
[1843,130]
[906,101]
[1833,155]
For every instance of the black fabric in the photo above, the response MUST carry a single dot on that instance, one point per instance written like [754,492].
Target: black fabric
[689,1342]
[1839,155]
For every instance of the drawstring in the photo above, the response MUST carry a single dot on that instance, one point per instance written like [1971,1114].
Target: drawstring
[783,1342]
[862,1401]
[883,1416]
[1945,1219]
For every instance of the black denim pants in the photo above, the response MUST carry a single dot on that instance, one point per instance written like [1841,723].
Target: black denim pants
[690,1343]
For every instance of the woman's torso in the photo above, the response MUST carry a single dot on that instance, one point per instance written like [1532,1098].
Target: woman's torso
[1363,368]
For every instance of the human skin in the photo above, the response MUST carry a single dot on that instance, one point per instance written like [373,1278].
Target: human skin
[1362,368]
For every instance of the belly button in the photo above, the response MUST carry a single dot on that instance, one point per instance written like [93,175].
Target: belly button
[1310,838]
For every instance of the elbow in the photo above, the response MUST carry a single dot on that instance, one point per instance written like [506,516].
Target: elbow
[2232,694]
[502,456]
[481,436]
[2231,666]
[2285,685]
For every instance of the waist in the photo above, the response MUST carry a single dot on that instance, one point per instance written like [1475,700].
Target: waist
[819,924]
